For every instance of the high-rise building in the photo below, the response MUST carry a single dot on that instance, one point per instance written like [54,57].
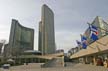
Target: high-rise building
[21,38]
[46,31]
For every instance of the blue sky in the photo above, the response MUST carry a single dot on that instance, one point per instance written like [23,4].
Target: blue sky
[71,17]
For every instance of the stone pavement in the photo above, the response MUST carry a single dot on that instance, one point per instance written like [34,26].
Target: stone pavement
[69,67]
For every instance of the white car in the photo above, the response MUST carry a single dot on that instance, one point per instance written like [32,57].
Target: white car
[6,66]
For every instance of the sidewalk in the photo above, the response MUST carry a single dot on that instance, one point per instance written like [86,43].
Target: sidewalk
[88,67]
[69,67]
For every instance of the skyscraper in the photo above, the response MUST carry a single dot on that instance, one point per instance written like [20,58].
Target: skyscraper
[46,31]
[21,38]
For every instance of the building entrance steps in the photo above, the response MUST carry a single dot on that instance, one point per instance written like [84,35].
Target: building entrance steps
[55,62]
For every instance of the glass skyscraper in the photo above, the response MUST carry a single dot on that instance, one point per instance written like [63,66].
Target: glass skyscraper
[46,31]
[21,38]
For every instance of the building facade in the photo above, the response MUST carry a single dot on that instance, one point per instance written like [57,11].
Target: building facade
[21,38]
[99,23]
[96,49]
[102,27]
[46,31]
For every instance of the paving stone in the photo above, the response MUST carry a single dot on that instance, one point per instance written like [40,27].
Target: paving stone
[69,67]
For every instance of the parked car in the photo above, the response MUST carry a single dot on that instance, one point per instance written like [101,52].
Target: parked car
[6,66]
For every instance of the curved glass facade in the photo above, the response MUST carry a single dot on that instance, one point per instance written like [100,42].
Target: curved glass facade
[21,38]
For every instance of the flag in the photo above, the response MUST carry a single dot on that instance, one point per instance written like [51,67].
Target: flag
[84,41]
[78,43]
[94,32]
[87,32]
[93,29]
[94,36]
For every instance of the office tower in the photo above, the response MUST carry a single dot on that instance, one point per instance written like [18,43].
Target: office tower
[46,31]
[21,38]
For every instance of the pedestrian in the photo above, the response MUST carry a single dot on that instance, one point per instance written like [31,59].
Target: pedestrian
[106,63]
